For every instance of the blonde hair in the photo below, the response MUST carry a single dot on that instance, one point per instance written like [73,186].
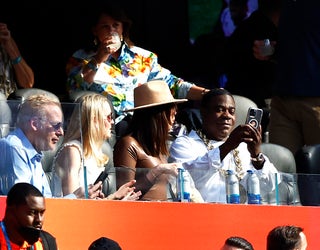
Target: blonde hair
[91,109]
[35,106]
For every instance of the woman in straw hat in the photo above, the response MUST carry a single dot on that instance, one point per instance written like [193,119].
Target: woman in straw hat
[142,153]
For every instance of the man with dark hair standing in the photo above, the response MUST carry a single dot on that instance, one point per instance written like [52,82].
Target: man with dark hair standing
[21,227]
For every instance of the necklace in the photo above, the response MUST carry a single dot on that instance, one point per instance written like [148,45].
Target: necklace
[235,155]
[237,162]
[205,140]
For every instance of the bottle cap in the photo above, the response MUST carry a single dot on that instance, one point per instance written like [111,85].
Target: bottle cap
[229,171]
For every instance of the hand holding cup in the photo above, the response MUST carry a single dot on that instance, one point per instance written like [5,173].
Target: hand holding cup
[113,42]
[263,49]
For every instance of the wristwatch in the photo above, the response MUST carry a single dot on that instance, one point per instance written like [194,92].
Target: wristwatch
[258,161]
[258,158]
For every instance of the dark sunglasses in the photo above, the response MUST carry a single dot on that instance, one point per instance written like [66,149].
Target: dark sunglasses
[57,126]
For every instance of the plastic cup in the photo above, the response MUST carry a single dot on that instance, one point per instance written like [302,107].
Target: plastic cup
[267,49]
[114,46]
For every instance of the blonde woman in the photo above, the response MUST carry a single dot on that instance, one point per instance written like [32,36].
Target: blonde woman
[82,146]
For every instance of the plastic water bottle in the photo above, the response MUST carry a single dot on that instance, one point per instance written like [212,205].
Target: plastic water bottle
[232,188]
[253,188]
[183,186]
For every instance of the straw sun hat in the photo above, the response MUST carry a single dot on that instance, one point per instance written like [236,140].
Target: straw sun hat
[152,94]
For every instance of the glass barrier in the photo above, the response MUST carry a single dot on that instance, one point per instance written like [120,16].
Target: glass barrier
[9,110]
[287,188]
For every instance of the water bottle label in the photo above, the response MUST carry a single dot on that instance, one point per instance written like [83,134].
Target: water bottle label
[186,187]
[254,199]
[186,197]
[233,199]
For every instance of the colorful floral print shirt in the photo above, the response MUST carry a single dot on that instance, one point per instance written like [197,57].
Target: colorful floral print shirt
[118,77]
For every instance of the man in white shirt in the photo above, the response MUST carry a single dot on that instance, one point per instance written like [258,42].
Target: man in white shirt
[218,146]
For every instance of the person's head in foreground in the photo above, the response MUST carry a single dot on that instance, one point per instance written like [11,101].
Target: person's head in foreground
[237,243]
[287,237]
[24,215]
[104,243]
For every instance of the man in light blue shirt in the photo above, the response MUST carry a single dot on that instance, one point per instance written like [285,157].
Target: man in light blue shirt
[39,127]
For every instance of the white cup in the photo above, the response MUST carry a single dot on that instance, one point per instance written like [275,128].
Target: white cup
[117,42]
[267,49]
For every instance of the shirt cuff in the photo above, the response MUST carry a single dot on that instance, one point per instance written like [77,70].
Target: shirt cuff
[184,89]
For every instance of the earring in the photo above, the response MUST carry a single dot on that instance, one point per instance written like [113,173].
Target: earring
[95,41]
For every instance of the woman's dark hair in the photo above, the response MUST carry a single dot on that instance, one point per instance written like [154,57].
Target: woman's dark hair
[114,10]
[149,126]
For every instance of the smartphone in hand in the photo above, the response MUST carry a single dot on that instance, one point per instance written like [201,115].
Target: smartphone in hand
[254,117]
[101,177]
